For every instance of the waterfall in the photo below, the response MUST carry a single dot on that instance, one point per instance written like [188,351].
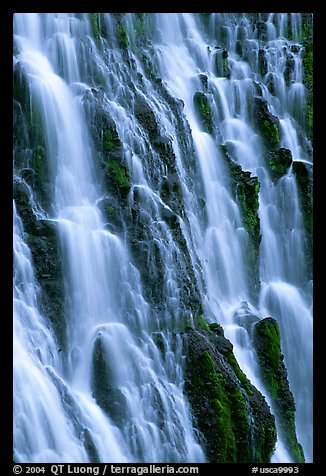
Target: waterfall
[131,186]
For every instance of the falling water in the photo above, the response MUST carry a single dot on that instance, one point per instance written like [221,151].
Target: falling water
[111,315]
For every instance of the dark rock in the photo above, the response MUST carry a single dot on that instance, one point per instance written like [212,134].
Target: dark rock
[105,391]
[261,29]
[146,117]
[244,317]
[204,80]
[262,62]
[303,174]
[43,243]
[289,68]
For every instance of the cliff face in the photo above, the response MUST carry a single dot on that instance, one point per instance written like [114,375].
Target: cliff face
[231,418]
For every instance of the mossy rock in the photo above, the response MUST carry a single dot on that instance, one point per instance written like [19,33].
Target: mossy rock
[267,341]
[200,321]
[221,63]
[110,140]
[268,124]
[204,111]
[122,37]
[223,400]
[119,176]
[94,20]
[279,162]
[245,188]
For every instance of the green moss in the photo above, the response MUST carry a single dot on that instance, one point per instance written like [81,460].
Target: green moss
[241,376]
[220,405]
[199,319]
[271,132]
[120,175]
[245,189]
[216,327]
[230,415]
[110,140]
[122,37]
[307,27]
[279,162]
[268,345]
[225,63]
[110,211]
[226,443]
[204,111]
[270,333]
[267,123]
[248,198]
[95,26]
[265,443]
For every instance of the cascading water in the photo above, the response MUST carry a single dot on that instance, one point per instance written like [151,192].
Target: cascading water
[128,277]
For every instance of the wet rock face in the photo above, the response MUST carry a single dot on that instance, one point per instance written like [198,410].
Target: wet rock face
[45,249]
[232,417]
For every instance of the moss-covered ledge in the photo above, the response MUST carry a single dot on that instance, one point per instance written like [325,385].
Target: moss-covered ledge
[267,123]
[267,341]
[232,417]
[204,111]
[245,188]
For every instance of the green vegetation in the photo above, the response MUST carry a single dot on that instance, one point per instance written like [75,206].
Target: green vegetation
[122,37]
[265,443]
[119,174]
[279,162]
[110,211]
[268,124]
[245,189]
[110,140]
[95,26]
[225,63]
[229,414]
[199,319]
[248,195]
[204,111]
[270,132]
[267,341]
[241,376]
